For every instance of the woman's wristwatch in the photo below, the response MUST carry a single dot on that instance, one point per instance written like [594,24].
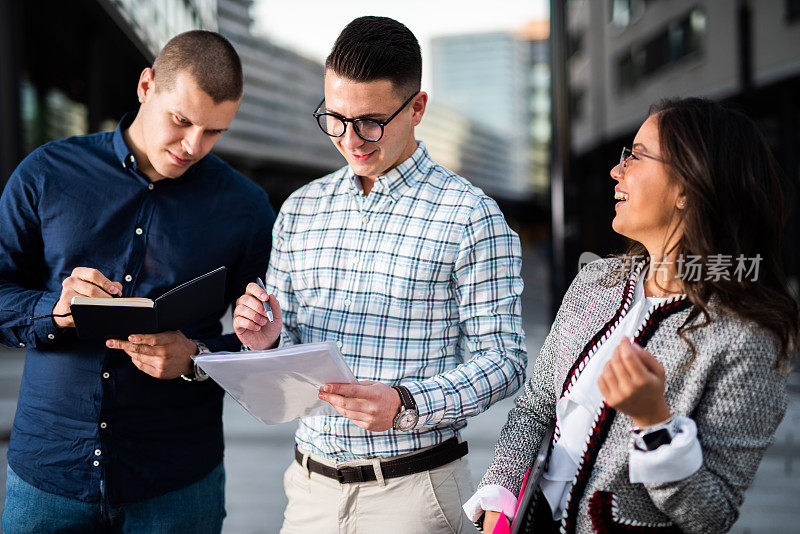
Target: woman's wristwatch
[650,438]
[197,374]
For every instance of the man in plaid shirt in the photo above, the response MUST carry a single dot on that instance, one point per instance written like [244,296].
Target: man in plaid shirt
[415,275]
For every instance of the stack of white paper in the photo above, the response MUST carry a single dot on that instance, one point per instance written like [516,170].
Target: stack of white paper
[282,384]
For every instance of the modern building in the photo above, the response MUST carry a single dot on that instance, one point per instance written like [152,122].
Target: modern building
[536,35]
[74,71]
[469,148]
[624,55]
[274,139]
[500,80]
[71,67]
[484,76]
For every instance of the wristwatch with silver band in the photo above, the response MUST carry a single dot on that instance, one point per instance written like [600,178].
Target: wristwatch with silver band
[197,374]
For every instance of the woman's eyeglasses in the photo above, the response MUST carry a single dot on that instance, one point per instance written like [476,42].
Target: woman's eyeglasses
[627,154]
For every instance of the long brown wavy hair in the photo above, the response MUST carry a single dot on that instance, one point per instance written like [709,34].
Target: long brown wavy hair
[734,206]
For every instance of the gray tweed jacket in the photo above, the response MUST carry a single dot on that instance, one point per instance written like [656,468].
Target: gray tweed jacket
[732,389]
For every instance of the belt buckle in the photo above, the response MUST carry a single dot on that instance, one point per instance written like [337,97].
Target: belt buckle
[340,472]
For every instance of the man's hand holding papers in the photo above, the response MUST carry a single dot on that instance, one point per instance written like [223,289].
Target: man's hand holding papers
[250,322]
[279,385]
[370,405]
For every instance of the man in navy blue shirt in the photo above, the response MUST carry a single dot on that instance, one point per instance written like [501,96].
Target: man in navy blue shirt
[124,435]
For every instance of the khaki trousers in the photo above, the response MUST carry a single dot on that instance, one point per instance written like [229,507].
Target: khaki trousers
[422,503]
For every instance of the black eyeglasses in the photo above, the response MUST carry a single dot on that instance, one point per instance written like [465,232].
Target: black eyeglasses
[367,129]
[627,154]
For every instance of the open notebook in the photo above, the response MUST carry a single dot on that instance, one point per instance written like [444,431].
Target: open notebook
[105,318]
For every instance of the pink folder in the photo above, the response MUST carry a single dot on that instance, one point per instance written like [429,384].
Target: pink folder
[503,526]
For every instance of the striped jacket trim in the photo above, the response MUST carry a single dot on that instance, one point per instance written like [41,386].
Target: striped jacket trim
[604,513]
[605,414]
[598,339]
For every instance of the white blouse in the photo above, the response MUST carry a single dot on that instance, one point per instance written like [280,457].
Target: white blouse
[575,413]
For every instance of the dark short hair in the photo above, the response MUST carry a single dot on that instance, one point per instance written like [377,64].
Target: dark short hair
[210,59]
[377,48]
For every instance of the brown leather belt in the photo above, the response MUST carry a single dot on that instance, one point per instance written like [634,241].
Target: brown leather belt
[442,454]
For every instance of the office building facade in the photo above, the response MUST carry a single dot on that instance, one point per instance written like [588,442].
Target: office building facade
[500,81]
[625,55]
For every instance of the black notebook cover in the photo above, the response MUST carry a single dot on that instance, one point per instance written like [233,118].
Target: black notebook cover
[175,309]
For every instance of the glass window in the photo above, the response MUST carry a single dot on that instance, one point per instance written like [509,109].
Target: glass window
[681,38]
[697,33]
[575,43]
[793,10]
[623,12]
[577,100]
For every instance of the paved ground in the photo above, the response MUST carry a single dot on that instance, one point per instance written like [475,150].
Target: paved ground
[257,454]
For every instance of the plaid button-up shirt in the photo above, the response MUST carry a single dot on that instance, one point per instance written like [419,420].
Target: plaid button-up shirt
[410,281]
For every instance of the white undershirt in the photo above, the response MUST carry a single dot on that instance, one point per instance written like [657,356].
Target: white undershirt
[575,413]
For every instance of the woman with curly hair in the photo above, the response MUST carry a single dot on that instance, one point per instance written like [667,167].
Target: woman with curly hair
[664,373]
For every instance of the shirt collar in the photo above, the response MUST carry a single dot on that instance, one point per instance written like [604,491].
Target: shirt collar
[121,150]
[399,179]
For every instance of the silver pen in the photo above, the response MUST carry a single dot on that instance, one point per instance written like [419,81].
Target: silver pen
[267,307]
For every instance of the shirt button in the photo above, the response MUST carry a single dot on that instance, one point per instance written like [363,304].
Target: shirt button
[339,344]
[128,278]
[150,186]
[103,425]
[326,428]
[97,452]
[51,336]
[138,231]
[365,220]
[96,463]
[106,375]
[347,303]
